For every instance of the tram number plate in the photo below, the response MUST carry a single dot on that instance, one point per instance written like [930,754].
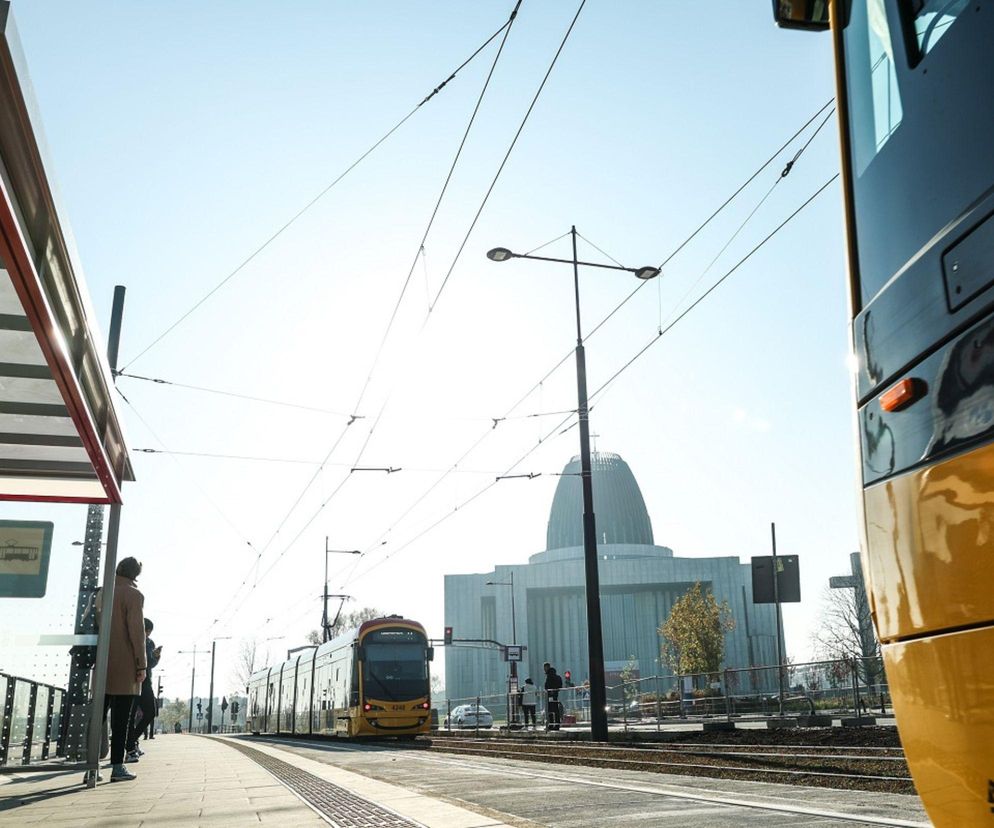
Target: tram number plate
[396,707]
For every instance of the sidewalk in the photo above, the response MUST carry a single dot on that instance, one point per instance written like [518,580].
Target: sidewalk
[182,781]
[210,781]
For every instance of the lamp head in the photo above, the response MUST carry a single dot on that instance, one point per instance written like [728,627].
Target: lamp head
[499,254]
[647,273]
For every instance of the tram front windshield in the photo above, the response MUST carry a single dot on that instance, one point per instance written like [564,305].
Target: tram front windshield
[395,665]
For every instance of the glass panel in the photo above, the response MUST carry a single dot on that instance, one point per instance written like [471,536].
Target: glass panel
[55,733]
[40,722]
[931,19]
[396,671]
[19,721]
[875,99]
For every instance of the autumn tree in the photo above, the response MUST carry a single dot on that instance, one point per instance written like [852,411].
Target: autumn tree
[172,712]
[694,634]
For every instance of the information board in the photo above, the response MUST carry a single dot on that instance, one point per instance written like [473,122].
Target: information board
[25,547]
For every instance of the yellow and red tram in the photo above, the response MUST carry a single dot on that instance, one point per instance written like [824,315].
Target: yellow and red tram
[915,98]
[370,681]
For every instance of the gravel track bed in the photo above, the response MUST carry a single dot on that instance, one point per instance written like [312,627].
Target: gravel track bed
[870,760]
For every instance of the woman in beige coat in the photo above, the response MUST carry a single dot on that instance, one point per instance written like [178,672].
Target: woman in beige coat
[126,661]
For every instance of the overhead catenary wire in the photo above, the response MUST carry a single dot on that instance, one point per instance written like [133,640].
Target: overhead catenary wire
[433,304]
[386,333]
[235,395]
[507,155]
[680,247]
[286,225]
[555,431]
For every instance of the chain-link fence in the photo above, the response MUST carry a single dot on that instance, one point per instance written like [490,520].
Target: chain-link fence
[853,687]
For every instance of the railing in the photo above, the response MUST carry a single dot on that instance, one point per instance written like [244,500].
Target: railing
[32,720]
[845,687]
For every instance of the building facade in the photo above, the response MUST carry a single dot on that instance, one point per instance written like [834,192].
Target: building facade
[640,581]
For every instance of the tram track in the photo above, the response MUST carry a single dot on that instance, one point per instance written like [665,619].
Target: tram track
[847,768]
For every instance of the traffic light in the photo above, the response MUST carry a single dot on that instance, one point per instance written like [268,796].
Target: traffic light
[568,677]
[234,709]
[200,707]
[448,635]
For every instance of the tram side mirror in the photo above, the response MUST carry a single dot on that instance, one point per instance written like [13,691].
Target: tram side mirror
[810,15]
[430,652]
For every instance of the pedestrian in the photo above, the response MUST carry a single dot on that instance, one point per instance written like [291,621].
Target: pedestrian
[529,701]
[553,684]
[144,712]
[126,663]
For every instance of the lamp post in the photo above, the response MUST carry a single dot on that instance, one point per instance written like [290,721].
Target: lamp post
[193,678]
[595,642]
[325,626]
[210,698]
[513,676]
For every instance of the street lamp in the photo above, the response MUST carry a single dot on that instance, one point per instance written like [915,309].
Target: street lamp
[512,682]
[595,641]
[210,699]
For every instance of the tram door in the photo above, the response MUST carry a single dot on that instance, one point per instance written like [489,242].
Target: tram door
[915,95]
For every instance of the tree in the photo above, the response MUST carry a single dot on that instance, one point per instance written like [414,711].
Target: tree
[245,661]
[694,634]
[845,631]
[345,621]
[172,712]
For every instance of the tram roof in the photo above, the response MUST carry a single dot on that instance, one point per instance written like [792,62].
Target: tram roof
[60,435]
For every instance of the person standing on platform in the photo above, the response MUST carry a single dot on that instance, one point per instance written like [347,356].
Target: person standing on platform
[553,684]
[529,701]
[127,662]
[144,713]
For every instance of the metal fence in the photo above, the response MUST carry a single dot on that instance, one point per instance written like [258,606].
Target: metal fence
[32,720]
[842,688]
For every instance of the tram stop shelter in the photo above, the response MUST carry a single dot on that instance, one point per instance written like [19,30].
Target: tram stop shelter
[61,439]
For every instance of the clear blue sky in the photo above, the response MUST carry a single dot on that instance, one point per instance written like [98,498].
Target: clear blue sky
[182,135]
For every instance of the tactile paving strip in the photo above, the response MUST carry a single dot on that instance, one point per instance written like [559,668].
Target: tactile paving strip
[340,806]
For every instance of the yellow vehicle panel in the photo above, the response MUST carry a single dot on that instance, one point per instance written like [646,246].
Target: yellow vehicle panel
[941,688]
[930,545]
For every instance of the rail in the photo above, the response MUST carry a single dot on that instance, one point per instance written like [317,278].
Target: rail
[32,720]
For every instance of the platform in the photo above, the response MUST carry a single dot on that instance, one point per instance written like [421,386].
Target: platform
[242,781]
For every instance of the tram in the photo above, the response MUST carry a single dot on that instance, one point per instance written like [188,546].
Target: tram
[915,98]
[370,681]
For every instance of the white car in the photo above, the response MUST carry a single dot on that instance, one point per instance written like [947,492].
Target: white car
[469,715]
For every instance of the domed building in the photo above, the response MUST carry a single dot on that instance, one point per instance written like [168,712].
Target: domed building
[639,582]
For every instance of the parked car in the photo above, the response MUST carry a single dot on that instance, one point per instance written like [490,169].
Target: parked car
[469,715]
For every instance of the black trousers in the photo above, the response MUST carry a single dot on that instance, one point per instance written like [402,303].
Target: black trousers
[555,713]
[529,711]
[142,715]
[120,722]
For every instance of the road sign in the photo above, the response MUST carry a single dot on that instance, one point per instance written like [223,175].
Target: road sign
[25,547]
[200,716]
[513,652]
[788,579]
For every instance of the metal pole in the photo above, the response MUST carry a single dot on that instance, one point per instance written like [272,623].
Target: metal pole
[514,664]
[193,678]
[776,600]
[210,698]
[595,642]
[97,713]
[324,618]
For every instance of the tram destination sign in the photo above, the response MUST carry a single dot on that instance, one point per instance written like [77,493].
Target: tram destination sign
[788,579]
[25,548]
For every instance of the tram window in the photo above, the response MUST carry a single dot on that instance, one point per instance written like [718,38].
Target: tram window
[930,20]
[873,90]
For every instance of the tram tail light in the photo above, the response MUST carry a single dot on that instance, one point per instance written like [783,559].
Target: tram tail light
[367,707]
[425,705]
[901,394]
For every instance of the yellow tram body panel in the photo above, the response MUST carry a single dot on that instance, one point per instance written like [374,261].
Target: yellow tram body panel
[941,688]
[930,547]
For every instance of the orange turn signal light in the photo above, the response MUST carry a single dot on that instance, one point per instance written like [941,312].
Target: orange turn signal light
[901,394]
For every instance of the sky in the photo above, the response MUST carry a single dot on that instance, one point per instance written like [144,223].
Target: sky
[183,136]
